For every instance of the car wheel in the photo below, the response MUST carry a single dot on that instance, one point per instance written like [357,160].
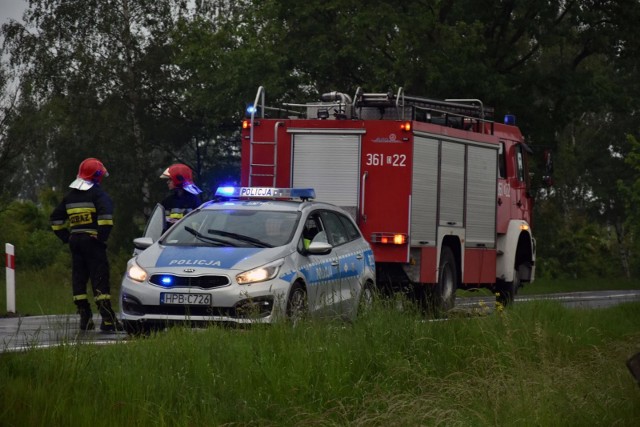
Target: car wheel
[297,308]
[367,298]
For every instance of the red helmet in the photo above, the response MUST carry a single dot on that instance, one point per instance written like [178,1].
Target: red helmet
[179,174]
[92,169]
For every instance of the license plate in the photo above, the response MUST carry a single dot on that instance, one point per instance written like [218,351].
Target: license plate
[185,299]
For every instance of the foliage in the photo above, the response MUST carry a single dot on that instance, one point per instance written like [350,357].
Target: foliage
[147,83]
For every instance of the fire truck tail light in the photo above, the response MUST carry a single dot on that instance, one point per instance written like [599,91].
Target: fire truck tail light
[406,126]
[389,238]
[246,124]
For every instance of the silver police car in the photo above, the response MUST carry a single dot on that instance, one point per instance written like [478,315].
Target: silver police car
[254,256]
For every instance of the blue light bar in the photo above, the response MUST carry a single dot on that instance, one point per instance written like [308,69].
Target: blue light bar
[510,119]
[167,280]
[251,109]
[225,191]
[303,193]
[266,192]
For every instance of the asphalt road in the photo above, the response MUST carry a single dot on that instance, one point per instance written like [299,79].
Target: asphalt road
[22,333]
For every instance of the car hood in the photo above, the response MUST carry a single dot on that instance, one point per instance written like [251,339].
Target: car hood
[163,257]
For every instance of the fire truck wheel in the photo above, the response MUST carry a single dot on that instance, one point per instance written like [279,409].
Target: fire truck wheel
[297,304]
[506,291]
[444,294]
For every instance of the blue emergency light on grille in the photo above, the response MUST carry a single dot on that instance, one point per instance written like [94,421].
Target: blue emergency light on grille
[267,192]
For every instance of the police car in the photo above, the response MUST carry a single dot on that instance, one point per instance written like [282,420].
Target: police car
[253,256]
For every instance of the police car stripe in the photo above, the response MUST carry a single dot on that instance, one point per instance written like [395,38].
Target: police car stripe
[310,271]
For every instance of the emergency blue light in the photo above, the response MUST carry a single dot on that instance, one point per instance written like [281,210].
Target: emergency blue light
[303,193]
[166,280]
[510,119]
[251,109]
[225,191]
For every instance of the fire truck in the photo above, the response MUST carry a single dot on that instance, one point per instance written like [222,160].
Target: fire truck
[438,188]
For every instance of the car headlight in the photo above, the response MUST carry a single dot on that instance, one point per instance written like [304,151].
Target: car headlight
[137,273]
[260,274]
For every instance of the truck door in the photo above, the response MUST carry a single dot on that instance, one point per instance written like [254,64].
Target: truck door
[520,196]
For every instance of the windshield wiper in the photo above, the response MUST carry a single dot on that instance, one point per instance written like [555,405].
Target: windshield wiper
[207,239]
[241,237]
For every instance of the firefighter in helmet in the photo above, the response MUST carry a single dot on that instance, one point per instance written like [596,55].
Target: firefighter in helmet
[184,195]
[84,219]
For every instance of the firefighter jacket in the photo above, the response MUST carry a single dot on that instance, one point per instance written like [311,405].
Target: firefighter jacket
[89,211]
[179,203]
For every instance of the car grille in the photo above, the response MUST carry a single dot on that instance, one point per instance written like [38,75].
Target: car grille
[202,282]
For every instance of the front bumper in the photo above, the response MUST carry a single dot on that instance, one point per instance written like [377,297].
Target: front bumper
[260,302]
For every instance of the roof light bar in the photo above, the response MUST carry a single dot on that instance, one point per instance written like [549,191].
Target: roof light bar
[267,192]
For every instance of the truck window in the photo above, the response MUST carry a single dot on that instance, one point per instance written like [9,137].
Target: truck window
[502,165]
[520,163]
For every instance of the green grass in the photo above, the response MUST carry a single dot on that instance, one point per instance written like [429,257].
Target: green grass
[535,364]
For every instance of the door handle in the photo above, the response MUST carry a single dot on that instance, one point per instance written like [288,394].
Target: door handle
[335,264]
[359,256]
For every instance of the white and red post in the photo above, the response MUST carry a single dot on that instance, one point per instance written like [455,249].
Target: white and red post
[11,277]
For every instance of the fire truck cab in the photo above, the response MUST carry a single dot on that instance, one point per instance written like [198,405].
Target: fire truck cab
[437,187]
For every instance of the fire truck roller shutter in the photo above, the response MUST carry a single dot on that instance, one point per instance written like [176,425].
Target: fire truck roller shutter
[452,175]
[424,193]
[482,170]
[328,163]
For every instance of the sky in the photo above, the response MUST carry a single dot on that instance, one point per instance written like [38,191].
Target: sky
[11,9]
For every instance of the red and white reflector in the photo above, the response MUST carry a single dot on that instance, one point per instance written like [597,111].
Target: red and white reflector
[10,258]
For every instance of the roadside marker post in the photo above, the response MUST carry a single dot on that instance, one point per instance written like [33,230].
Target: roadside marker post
[11,277]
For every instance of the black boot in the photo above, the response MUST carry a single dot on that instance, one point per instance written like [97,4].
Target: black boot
[86,317]
[110,322]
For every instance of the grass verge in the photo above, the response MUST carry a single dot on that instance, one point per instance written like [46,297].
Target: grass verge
[534,364]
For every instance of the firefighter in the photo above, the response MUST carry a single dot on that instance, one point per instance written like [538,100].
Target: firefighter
[84,219]
[184,195]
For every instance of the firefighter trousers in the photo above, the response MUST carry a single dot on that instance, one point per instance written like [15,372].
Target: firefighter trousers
[89,262]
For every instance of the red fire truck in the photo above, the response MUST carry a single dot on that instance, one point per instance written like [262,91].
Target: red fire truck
[439,189]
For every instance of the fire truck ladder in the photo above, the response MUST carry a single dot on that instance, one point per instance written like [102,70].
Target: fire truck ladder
[470,109]
[258,106]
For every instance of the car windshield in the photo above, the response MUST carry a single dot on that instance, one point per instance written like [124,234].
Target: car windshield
[234,228]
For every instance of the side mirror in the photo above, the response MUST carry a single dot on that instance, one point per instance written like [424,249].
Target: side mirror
[319,248]
[142,243]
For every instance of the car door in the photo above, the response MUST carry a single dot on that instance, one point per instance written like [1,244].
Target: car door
[350,259]
[322,270]
[154,227]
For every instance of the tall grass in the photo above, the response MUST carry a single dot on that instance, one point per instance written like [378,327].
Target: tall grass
[535,364]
